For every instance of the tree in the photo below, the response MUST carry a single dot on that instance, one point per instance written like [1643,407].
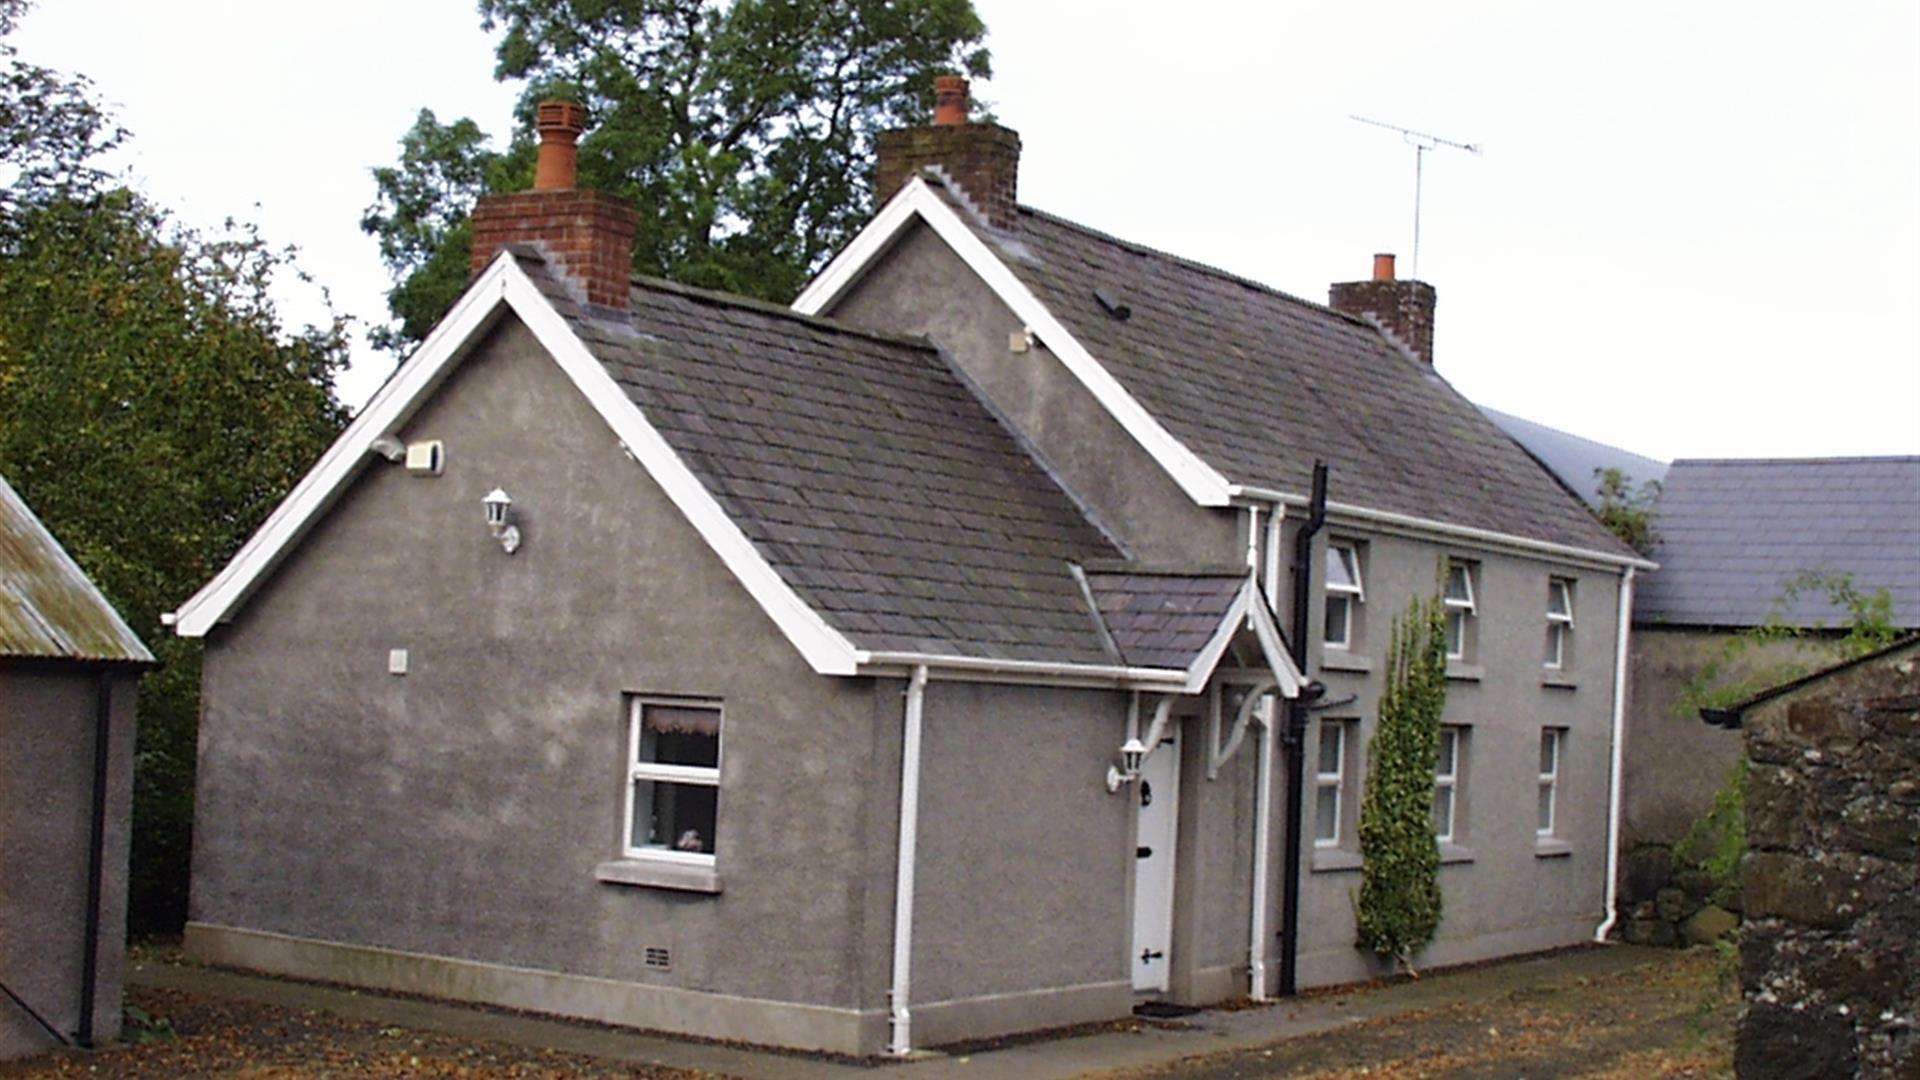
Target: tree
[153,409]
[745,129]
[1399,905]
[1626,510]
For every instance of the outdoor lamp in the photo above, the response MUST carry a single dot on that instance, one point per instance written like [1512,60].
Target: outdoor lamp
[1132,755]
[499,523]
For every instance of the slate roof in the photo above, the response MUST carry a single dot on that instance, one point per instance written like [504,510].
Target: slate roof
[48,607]
[1259,383]
[1732,533]
[1163,619]
[861,467]
[1576,461]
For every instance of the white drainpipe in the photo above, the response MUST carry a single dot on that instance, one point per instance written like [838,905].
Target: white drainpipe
[901,1042]
[1262,840]
[1619,754]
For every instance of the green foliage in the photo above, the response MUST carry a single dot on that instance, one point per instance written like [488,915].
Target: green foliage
[1732,675]
[1626,510]
[1716,842]
[153,409]
[143,1027]
[1399,906]
[744,129]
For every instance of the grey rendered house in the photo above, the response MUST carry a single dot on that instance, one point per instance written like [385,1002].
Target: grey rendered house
[895,670]
[68,669]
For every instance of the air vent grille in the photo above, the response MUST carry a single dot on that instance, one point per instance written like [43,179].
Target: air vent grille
[659,958]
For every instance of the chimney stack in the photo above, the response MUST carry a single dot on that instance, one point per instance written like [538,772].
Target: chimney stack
[981,160]
[585,235]
[1403,308]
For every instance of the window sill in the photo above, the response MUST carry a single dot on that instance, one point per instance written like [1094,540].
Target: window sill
[1334,860]
[1454,853]
[1551,847]
[1559,680]
[1464,672]
[1342,660]
[659,875]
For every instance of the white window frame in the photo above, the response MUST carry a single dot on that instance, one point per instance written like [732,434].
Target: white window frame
[1336,780]
[1351,595]
[1559,624]
[1463,609]
[1556,738]
[638,771]
[1449,782]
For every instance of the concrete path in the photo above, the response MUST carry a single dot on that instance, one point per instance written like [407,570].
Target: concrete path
[1152,1045]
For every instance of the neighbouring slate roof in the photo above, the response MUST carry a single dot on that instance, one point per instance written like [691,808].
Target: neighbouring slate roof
[863,470]
[1259,384]
[1732,533]
[1578,462]
[48,607]
[1163,619]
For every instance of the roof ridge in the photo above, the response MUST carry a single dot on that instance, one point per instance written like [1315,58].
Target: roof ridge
[1193,264]
[1842,459]
[768,307]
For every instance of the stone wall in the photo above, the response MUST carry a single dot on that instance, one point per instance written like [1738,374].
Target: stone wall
[1830,955]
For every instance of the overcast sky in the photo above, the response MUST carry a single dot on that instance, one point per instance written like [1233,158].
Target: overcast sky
[1693,231]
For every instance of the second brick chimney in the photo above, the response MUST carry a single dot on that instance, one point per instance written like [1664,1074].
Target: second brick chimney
[983,160]
[586,235]
[1403,306]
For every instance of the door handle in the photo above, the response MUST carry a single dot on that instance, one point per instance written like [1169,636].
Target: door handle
[1148,956]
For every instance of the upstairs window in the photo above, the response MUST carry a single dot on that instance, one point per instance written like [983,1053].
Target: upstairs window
[673,780]
[1459,600]
[1559,620]
[1345,592]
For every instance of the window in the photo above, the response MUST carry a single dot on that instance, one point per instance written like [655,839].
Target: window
[1460,608]
[1329,783]
[1446,786]
[1345,591]
[1550,747]
[1559,620]
[673,780]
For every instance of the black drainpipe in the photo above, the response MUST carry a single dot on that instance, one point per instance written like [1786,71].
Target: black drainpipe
[96,849]
[1294,737]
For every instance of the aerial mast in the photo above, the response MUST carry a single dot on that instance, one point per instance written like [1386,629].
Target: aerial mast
[1421,143]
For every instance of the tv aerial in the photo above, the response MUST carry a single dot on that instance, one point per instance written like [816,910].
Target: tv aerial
[1421,143]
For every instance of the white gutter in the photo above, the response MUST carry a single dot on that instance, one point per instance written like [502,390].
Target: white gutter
[901,1042]
[1152,678]
[1619,733]
[1446,529]
[1262,841]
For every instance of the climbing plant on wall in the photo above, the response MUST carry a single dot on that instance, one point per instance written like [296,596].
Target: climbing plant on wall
[1399,904]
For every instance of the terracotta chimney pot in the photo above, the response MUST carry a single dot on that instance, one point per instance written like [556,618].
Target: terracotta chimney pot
[559,124]
[950,104]
[1383,267]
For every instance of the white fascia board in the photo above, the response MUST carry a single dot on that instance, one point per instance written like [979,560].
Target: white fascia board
[1430,529]
[1247,606]
[504,284]
[1202,483]
[1023,672]
[390,406]
[1292,679]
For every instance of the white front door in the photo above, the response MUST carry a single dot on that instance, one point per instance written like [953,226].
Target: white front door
[1158,796]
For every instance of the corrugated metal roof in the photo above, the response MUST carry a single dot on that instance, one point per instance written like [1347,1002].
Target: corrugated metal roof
[48,607]
[1577,461]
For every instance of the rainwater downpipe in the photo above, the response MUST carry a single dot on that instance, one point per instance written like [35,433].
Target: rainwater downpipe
[1294,737]
[900,1043]
[1619,754]
[1263,783]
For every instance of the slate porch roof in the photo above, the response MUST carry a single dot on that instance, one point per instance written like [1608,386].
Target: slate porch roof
[49,610]
[1259,383]
[1732,533]
[1163,619]
[862,469]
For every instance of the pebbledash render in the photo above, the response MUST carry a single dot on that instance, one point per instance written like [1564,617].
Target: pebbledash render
[908,667]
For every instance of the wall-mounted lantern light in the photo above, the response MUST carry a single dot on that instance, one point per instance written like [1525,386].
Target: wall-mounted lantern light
[1133,754]
[500,520]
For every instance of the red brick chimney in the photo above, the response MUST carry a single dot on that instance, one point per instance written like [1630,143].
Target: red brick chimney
[586,235]
[1403,307]
[982,160]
